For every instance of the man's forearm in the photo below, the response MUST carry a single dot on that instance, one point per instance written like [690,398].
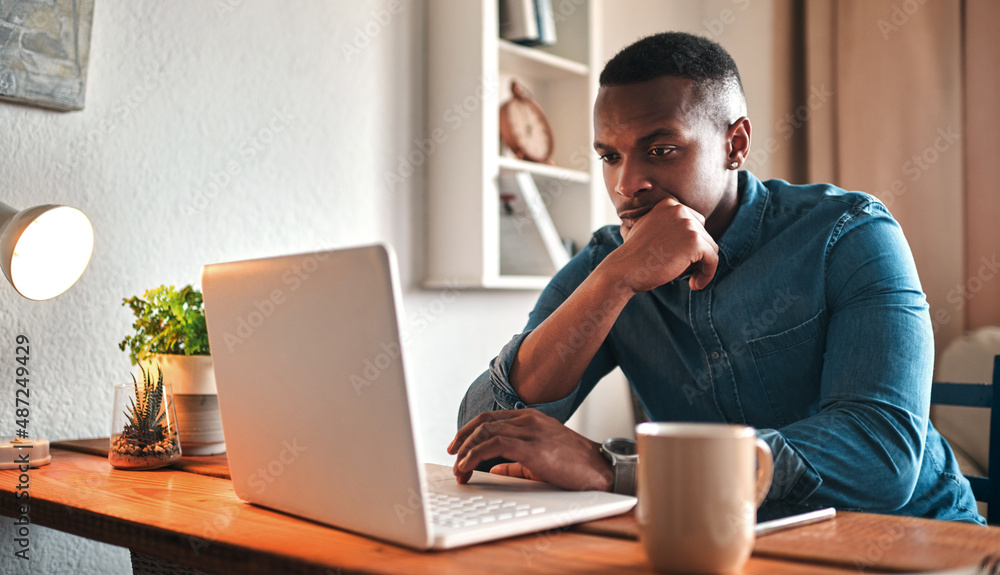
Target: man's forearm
[661,245]
[553,357]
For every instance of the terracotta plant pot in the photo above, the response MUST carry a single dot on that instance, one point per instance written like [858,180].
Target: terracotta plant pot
[198,421]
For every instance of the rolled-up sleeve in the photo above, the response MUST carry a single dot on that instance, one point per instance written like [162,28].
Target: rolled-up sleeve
[492,390]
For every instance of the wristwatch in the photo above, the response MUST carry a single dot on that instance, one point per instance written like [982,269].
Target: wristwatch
[622,454]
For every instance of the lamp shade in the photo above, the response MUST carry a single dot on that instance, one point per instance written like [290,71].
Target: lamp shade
[44,250]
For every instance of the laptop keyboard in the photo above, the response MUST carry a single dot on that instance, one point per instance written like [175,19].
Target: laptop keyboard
[449,510]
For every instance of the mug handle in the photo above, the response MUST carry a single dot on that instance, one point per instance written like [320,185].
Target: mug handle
[765,469]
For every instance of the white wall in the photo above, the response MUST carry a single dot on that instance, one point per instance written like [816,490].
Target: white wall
[176,92]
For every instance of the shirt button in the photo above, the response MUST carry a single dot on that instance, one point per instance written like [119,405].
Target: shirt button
[716,354]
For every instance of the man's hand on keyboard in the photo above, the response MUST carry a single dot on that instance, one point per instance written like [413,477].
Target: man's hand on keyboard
[539,446]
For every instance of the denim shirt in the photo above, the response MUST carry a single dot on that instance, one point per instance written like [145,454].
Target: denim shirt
[814,330]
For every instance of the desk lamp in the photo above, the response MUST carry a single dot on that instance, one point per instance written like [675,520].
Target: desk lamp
[44,249]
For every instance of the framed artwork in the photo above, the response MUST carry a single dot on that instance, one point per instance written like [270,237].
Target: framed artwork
[44,48]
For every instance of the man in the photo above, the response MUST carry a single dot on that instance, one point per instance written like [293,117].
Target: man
[793,309]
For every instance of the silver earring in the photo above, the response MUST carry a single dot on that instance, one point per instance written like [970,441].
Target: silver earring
[732,165]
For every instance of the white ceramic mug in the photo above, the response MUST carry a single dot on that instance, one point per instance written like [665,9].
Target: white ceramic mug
[699,486]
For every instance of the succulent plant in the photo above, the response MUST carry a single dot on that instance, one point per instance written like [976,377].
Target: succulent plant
[145,425]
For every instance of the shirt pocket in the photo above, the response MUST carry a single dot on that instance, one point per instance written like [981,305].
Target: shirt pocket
[790,366]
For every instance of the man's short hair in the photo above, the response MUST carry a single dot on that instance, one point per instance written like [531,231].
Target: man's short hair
[712,69]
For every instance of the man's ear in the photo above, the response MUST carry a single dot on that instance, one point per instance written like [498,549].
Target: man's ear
[738,142]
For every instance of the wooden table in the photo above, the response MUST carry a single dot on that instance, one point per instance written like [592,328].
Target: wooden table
[196,520]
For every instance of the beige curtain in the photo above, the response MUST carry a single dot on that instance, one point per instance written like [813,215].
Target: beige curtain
[982,142]
[899,100]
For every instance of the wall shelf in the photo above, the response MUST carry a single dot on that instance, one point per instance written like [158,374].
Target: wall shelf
[538,64]
[509,164]
[469,74]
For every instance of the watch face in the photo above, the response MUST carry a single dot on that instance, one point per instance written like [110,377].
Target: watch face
[621,446]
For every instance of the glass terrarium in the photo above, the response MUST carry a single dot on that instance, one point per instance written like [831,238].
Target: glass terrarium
[144,425]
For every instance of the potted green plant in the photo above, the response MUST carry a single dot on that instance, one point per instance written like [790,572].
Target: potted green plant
[171,336]
[144,430]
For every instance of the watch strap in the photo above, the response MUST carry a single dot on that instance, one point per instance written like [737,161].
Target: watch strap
[624,477]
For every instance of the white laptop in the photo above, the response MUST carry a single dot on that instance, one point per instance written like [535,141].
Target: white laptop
[316,410]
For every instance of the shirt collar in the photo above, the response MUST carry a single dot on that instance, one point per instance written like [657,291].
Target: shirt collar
[738,239]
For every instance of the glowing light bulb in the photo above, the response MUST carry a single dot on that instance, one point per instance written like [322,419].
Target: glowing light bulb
[52,253]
